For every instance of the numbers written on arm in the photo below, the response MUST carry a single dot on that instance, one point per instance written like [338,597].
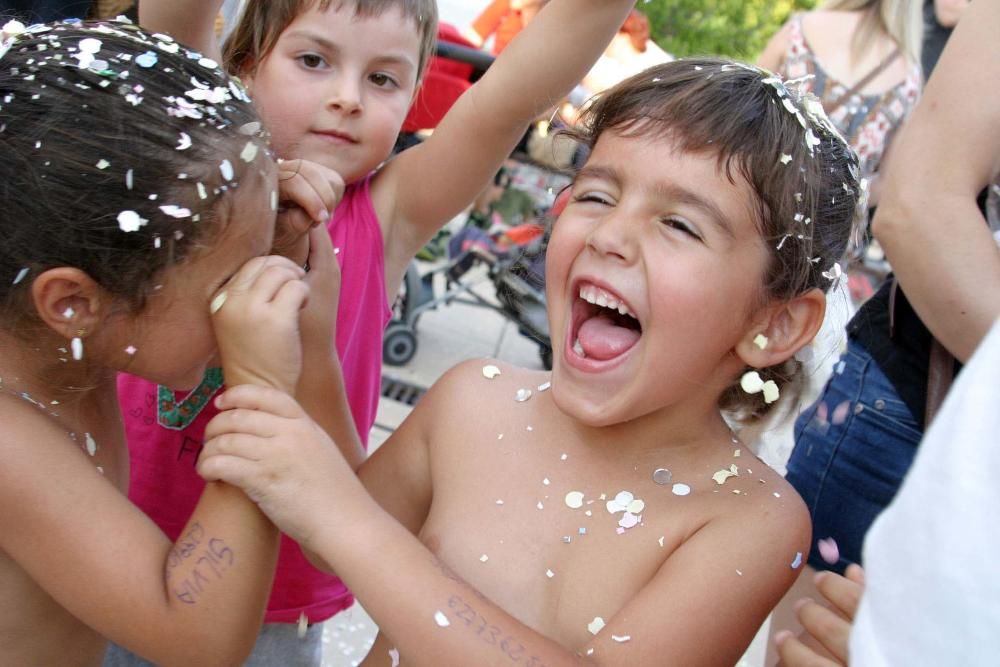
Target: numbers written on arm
[491,634]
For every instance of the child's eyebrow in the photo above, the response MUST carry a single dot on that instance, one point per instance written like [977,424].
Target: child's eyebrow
[678,193]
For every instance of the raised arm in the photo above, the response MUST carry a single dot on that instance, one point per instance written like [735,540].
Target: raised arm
[427,185]
[933,233]
[190,22]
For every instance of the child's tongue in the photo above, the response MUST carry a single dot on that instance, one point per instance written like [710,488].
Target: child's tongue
[602,339]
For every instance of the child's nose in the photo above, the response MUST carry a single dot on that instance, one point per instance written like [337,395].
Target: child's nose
[614,237]
[345,95]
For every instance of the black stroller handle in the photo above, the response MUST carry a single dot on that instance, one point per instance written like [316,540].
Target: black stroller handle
[480,60]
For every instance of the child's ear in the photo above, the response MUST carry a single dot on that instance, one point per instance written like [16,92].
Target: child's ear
[782,329]
[68,301]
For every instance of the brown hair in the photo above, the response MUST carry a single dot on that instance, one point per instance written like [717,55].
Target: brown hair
[804,175]
[262,22]
[120,151]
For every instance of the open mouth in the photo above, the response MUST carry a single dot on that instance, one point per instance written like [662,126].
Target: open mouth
[604,326]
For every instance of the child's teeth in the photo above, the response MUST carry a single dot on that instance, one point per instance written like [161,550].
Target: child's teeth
[602,301]
[612,303]
[622,309]
[579,349]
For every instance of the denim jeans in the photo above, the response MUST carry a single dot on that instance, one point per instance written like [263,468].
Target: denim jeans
[852,448]
[278,645]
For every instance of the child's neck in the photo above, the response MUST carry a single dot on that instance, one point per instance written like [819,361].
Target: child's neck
[42,371]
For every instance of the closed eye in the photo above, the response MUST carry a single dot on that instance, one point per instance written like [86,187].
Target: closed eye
[593,198]
[681,225]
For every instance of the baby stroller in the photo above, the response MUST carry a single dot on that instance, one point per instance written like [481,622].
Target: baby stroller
[515,265]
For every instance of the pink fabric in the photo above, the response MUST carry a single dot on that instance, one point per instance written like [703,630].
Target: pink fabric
[163,479]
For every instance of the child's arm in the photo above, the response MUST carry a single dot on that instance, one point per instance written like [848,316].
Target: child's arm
[702,607]
[198,601]
[427,185]
[190,22]
[774,53]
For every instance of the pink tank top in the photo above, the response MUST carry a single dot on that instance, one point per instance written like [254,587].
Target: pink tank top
[165,430]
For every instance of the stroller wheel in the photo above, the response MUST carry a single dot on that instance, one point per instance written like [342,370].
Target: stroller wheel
[398,345]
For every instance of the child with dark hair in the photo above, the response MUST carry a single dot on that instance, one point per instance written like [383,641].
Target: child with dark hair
[605,513]
[137,208]
[334,82]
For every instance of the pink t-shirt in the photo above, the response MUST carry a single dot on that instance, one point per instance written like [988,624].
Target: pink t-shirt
[165,432]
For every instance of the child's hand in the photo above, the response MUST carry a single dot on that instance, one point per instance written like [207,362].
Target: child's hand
[831,628]
[308,193]
[319,317]
[256,320]
[264,443]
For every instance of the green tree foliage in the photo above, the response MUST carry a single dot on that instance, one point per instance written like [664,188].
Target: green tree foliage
[735,28]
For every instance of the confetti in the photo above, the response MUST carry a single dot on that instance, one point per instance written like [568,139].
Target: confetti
[545,386]
[771,392]
[226,169]
[595,625]
[785,158]
[721,476]
[303,625]
[662,476]
[546,481]
[394,656]
[621,638]
[628,520]
[218,302]
[483,558]
[130,221]
[751,382]
[681,489]
[77,346]
[441,619]
[522,395]
[91,444]
[828,550]
[249,152]
[797,561]
[574,500]
[760,341]
[130,350]
[147,59]
[184,142]
[660,541]
[176,211]
[21,275]
[540,505]
[103,164]
[549,573]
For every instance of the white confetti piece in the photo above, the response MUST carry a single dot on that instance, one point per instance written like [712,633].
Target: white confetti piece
[441,619]
[797,561]
[539,505]
[621,638]
[103,164]
[21,275]
[130,221]
[549,573]
[681,489]
[751,382]
[546,481]
[828,550]
[184,141]
[785,158]
[574,499]
[218,302]
[563,457]
[303,625]
[490,372]
[760,340]
[660,541]
[226,169]
[628,520]
[394,656]
[483,558]
[130,350]
[595,625]
[636,506]
[771,392]
[545,386]
[91,444]
[522,395]
[76,345]
[176,211]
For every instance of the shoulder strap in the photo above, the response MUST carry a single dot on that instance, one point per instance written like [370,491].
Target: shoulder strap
[864,81]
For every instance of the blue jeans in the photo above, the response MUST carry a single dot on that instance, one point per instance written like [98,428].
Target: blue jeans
[278,645]
[852,448]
